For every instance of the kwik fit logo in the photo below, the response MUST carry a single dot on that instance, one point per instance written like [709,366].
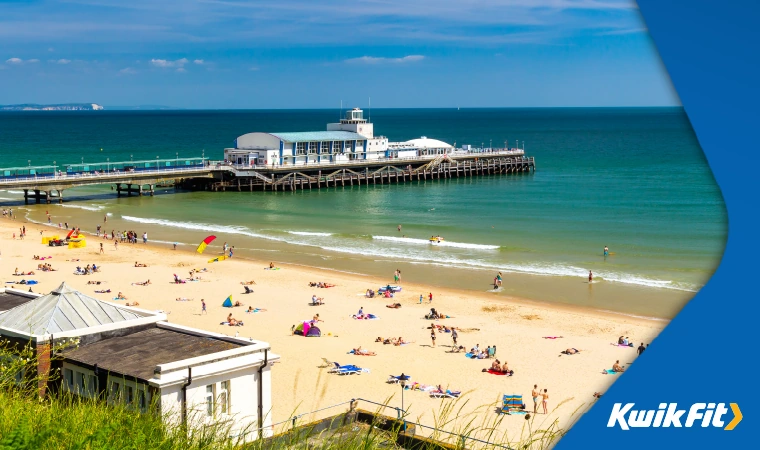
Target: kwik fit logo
[668,415]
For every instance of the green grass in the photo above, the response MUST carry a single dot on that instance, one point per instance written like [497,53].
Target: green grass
[65,421]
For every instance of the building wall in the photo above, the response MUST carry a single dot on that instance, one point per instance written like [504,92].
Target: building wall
[242,414]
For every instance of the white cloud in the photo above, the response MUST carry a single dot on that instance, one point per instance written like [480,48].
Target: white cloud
[127,71]
[200,62]
[163,63]
[19,61]
[181,70]
[378,60]
[63,61]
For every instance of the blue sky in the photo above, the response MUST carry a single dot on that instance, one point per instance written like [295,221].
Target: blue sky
[313,54]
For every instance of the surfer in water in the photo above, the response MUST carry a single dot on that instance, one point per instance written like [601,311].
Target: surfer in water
[590,277]
[606,251]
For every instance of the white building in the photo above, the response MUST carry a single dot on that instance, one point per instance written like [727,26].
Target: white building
[351,139]
[136,357]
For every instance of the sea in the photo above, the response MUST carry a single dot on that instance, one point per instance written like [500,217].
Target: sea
[632,179]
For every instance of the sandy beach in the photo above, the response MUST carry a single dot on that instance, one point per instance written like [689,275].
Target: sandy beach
[517,327]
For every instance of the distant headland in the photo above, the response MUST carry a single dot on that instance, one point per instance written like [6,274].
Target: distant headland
[60,107]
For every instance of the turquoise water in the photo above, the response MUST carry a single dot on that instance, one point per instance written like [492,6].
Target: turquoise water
[632,179]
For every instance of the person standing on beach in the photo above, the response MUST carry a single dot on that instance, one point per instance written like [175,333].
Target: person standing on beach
[590,277]
[534,394]
[105,218]
[432,334]
[224,248]
[203,307]
[395,276]
[145,237]
[498,279]
[420,299]
[454,335]
[641,349]
[430,297]
[544,399]
[115,244]
[101,248]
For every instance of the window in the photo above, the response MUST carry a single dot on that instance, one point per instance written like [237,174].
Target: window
[81,382]
[68,375]
[300,148]
[141,403]
[92,385]
[210,400]
[115,392]
[349,145]
[337,146]
[313,146]
[129,398]
[224,397]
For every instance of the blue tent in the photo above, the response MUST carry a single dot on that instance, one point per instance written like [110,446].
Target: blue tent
[227,302]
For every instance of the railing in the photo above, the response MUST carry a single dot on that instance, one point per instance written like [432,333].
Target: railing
[87,176]
[360,162]
[400,415]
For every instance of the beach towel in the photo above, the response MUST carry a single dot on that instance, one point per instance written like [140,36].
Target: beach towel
[611,372]
[552,337]
[497,372]
[117,298]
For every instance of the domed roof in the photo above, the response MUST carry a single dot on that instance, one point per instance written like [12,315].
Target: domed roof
[425,142]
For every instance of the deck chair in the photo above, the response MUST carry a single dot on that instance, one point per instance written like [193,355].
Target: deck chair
[345,370]
[326,364]
[248,290]
[446,394]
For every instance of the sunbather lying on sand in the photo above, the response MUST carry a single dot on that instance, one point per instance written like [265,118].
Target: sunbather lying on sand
[183,299]
[106,291]
[95,282]
[394,306]
[251,309]
[570,351]
[132,304]
[363,352]
[247,283]
[142,283]
[137,264]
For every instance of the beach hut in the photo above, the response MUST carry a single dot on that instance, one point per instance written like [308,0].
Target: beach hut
[227,302]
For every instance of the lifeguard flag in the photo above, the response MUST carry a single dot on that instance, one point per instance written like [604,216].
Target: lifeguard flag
[205,243]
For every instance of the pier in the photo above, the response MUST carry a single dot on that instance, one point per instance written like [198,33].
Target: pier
[46,184]
[373,172]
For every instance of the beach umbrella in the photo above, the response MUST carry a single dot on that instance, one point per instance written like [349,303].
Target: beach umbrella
[204,244]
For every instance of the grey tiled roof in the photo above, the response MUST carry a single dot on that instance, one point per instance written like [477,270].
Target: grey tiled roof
[64,309]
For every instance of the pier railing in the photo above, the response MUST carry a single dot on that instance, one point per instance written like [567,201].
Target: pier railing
[363,162]
[107,176]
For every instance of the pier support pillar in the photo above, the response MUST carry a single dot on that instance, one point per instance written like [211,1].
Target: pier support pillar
[26,196]
[60,196]
[152,189]
[37,196]
[48,194]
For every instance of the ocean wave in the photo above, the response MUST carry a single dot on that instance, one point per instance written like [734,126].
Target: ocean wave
[213,228]
[309,233]
[88,208]
[415,241]
[422,255]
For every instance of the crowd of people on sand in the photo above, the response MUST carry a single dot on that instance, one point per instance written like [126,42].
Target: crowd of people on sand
[45,267]
[89,269]
[127,236]
[393,341]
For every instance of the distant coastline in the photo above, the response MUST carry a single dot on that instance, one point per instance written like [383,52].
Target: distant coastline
[59,107]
